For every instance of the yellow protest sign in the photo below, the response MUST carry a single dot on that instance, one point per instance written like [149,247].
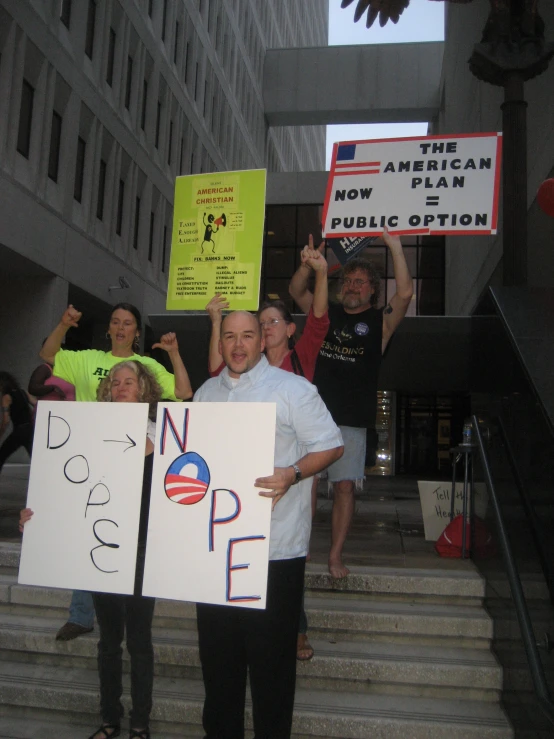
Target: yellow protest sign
[217,239]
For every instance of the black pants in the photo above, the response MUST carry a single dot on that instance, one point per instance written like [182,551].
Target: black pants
[21,436]
[115,614]
[234,639]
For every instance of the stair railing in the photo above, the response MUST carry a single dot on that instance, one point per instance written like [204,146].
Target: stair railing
[526,627]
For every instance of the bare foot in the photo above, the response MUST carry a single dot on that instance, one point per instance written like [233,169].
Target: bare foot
[337,569]
[304,650]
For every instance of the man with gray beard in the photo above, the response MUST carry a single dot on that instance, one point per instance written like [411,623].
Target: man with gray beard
[347,370]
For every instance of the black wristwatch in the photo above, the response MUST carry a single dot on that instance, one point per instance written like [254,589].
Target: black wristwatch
[297,473]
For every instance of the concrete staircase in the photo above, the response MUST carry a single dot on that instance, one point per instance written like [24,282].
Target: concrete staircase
[400,654]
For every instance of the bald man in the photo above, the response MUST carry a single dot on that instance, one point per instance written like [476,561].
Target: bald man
[234,640]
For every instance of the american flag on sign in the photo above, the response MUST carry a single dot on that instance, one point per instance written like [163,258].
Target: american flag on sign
[346,162]
[187,479]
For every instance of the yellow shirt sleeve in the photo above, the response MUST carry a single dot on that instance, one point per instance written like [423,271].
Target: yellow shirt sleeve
[165,379]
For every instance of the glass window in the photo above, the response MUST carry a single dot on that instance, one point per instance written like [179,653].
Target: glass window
[55,141]
[276,289]
[137,223]
[129,82]
[111,57]
[158,122]
[431,261]
[309,222]
[151,236]
[144,101]
[164,19]
[25,119]
[280,262]
[164,248]
[431,297]
[281,225]
[65,12]
[176,43]
[91,24]
[170,143]
[120,199]
[79,169]
[410,252]
[101,190]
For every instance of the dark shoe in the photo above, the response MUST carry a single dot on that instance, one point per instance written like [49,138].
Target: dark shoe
[71,631]
[106,731]
[142,734]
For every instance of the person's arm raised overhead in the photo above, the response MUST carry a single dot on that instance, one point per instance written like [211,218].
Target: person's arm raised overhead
[298,288]
[168,342]
[315,259]
[397,306]
[214,309]
[53,343]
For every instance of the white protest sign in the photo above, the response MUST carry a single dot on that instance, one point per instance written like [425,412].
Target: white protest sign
[208,530]
[85,489]
[431,185]
[435,504]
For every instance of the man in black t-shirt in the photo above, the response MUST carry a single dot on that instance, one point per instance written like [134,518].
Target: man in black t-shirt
[347,370]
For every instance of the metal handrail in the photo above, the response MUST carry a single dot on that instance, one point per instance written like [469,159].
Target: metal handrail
[527,633]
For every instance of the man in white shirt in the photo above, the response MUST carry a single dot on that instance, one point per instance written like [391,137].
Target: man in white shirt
[233,639]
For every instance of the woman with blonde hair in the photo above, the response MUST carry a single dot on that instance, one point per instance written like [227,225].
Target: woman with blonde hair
[127,382]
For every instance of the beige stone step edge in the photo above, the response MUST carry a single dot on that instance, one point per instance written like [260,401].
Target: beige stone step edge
[323,714]
[354,615]
[462,669]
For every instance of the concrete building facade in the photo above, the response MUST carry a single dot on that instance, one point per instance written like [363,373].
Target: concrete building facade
[102,104]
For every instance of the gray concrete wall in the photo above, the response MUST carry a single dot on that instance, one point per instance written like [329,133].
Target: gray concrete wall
[29,309]
[352,84]
[470,105]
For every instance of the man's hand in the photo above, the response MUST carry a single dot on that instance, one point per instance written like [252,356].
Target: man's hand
[278,483]
[313,258]
[393,242]
[217,304]
[168,342]
[71,317]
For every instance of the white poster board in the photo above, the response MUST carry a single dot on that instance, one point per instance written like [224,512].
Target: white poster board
[85,489]
[430,185]
[435,504]
[208,531]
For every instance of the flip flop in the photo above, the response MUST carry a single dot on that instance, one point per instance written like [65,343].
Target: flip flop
[304,650]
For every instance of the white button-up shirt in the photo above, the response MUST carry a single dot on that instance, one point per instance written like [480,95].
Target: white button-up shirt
[303,425]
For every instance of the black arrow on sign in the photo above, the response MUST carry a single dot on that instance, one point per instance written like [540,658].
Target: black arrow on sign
[130,443]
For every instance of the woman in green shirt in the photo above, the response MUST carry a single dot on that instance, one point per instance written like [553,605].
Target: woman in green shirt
[86,368]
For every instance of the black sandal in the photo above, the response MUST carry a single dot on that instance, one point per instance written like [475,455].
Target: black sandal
[114,729]
[144,734]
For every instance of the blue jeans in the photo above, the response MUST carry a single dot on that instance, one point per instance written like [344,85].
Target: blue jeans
[81,609]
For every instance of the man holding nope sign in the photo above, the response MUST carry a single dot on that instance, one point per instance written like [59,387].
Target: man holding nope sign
[233,639]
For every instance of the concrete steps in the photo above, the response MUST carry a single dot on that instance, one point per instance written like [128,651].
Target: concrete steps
[317,713]
[399,653]
[465,674]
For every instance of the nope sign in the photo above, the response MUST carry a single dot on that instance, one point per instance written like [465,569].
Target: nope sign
[208,530]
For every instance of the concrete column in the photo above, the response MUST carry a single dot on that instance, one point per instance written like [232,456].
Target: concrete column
[30,307]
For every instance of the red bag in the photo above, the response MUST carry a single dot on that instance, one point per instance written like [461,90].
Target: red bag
[449,543]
